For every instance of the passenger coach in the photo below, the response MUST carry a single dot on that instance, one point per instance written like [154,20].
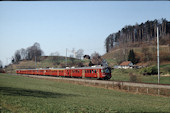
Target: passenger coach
[82,72]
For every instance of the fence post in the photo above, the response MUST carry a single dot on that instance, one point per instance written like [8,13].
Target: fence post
[137,90]
[158,91]
[147,90]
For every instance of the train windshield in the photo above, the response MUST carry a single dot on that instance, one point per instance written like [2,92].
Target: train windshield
[107,70]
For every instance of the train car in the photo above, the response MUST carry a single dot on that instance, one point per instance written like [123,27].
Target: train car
[2,70]
[80,72]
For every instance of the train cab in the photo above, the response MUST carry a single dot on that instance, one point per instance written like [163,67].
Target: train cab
[106,73]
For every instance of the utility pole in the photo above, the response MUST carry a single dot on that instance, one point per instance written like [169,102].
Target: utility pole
[66,57]
[158,54]
[35,62]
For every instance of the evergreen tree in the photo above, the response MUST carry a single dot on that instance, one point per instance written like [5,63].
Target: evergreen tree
[131,57]
[90,63]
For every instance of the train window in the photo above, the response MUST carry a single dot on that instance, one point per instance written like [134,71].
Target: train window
[102,71]
[94,71]
[90,71]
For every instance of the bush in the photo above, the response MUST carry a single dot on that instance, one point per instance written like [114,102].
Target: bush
[166,69]
[149,70]
[133,78]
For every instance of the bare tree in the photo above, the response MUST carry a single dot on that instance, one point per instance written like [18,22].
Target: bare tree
[74,52]
[79,53]
[17,56]
[55,54]
[1,66]
[147,55]
[137,35]
[34,51]
[96,58]
[55,58]
[23,53]
[110,42]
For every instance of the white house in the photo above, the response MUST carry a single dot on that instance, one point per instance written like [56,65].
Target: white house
[126,65]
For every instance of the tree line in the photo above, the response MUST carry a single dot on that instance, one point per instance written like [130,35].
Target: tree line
[34,52]
[31,53]
[137,35]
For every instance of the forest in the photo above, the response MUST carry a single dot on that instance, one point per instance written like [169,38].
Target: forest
[139,35]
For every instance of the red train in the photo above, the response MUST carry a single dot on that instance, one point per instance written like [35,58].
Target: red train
[82,72]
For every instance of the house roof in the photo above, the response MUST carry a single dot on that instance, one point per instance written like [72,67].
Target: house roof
[126,63]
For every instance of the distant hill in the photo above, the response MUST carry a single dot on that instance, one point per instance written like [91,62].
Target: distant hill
[47,62]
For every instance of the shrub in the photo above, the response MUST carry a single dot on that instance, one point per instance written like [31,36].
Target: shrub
[133,78]
[166,70]
[149,70]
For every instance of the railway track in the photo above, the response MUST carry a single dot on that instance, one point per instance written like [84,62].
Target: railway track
[147,88]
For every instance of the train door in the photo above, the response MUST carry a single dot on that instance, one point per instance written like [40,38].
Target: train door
[98,73]
[83,73]
[67,72]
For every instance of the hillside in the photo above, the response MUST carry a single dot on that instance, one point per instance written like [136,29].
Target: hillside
[139,35]
[46,62]
[146,55]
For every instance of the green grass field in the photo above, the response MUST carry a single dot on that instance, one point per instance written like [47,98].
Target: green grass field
[123,75]
[22,94]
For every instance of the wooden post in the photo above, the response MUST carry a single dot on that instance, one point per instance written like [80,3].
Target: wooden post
[137,90]
[158,92]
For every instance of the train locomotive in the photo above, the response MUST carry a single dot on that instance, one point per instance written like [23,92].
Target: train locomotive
[100,72]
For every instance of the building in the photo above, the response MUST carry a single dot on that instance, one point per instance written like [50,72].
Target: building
[126,65]
[86,57]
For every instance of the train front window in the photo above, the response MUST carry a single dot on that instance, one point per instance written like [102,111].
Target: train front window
[107,70]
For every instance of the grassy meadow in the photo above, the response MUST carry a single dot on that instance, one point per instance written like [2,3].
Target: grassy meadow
[123,75]
[22,94]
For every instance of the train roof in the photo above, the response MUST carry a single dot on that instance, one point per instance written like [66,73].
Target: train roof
[93,67]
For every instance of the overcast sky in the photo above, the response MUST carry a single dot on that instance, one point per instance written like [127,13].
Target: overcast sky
[70,24]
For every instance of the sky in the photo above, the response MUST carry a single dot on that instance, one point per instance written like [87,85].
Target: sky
[57,25]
